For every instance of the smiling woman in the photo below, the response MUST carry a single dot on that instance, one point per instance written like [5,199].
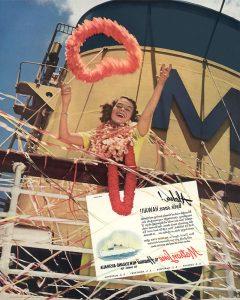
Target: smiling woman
[107,109]
[118,137]
[122,111]
[118,129]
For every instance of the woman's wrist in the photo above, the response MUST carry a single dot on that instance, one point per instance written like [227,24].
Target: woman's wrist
[160,83]
[161,80]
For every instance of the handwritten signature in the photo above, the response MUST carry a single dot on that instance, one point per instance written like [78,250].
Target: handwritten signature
[178,197]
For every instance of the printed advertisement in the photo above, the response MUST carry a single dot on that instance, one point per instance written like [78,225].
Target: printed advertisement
[164,232]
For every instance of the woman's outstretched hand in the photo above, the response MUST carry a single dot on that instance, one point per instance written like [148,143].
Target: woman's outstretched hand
[164,73]
[145,120]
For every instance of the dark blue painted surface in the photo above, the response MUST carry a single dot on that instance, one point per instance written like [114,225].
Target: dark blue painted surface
[175,90]
[172,25]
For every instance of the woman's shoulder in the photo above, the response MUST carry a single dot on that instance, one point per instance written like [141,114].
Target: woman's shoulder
[86,136]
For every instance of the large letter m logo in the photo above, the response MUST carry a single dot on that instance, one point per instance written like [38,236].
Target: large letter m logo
[175,90]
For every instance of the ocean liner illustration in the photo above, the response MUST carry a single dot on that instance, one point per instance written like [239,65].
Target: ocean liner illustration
[116,250]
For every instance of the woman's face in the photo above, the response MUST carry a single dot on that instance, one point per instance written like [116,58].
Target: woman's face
[122,111]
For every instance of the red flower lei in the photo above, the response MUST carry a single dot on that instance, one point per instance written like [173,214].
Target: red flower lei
[115,142]
[122,207]
[108,66]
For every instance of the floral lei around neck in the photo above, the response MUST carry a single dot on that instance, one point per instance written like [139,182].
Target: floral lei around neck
[112,141]
[116,142]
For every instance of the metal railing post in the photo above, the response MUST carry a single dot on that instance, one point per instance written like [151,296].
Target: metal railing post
[231,288]
[18,169]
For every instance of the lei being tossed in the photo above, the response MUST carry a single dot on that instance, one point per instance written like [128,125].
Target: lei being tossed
[108,66]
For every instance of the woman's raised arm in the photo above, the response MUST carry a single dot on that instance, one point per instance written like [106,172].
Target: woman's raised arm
[145,119]
[64,134]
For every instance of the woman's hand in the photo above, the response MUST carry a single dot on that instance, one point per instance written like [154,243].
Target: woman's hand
[145,120]
[164,73]
[66,94]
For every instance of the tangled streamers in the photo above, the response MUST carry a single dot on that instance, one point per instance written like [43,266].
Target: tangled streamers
[108,66]
[27,266]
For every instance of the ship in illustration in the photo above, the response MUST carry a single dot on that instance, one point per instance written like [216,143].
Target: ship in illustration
[115,251]
[45,245]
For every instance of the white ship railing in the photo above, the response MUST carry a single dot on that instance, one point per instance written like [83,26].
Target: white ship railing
[8,241]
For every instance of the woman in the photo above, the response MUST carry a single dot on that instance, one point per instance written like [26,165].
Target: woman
[116,133]
[116,120]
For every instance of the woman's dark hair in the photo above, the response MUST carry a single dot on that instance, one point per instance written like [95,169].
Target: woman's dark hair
[107,110]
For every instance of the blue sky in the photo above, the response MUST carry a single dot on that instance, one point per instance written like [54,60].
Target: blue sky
[26,27]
